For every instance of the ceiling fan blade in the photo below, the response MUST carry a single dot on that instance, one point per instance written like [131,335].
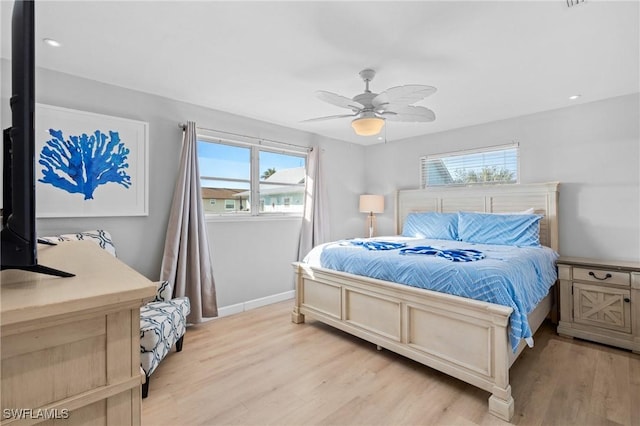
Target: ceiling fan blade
[339,100]
[409,113]
[404,95]
[330,117]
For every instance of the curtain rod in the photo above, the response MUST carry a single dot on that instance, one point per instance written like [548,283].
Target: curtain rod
[183,126]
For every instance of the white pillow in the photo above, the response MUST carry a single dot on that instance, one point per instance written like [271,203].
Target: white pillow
[530,210]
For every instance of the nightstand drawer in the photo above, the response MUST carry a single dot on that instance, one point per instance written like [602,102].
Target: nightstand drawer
[602,276]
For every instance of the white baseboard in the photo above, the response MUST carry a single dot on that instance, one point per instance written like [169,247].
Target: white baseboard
[225,311]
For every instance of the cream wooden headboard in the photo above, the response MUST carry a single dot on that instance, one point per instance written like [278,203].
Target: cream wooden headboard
[542,197]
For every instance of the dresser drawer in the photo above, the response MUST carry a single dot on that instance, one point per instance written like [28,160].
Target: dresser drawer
[602,276]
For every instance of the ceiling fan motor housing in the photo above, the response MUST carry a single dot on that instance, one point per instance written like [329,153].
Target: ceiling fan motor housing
[366,99]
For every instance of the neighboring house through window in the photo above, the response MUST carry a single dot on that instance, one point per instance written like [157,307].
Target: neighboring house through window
[282,191]
[221,200]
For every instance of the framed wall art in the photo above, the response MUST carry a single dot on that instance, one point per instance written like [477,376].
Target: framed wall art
[90,164]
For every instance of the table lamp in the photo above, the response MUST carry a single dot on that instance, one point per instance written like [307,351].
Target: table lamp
[371,204]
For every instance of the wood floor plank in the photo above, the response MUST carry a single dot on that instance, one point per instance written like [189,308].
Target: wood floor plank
[258,368]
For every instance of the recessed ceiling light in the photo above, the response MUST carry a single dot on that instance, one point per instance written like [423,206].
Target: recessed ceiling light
[574,97]
[51,42]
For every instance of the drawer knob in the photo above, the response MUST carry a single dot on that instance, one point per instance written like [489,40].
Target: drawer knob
[626,299]
[597,277]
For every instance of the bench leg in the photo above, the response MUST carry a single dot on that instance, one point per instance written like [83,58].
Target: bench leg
[145,387]
[179,344]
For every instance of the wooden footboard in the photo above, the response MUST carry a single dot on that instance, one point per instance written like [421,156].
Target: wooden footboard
[463,338]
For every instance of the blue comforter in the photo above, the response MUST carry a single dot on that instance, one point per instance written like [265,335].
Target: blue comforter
[518,277]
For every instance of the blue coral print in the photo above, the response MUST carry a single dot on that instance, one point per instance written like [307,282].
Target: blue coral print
[82,163]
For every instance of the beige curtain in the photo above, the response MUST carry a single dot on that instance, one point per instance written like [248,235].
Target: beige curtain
[186,262]
[315,223]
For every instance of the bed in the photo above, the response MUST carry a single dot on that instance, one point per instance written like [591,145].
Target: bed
[462,337]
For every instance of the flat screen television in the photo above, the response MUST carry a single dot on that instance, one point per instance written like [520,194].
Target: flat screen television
[18,235]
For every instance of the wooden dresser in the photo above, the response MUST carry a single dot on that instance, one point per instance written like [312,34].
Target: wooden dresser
[70,346]
[600,301]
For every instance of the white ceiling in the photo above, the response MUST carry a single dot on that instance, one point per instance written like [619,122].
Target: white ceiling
[265,60]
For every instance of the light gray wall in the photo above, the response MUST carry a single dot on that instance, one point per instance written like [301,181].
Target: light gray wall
[244,269]
[592,149]
[255,262]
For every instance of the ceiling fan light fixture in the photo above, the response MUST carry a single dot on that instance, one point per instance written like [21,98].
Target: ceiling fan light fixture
[367,126]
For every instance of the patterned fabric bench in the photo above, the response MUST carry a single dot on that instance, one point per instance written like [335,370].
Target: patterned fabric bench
[162,325]
[162,321]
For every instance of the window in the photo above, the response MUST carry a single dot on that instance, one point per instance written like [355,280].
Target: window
[251,179]
[212,202]
[498,164]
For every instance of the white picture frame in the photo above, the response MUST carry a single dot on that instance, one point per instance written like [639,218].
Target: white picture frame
[89,164]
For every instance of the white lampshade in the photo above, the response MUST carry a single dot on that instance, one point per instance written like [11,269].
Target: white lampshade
[367,126]
[371,203]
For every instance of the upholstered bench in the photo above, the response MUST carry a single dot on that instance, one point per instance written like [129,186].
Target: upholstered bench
[162,325]
[162,321]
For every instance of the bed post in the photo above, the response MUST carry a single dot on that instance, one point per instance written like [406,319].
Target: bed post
[501,403]
[296,316]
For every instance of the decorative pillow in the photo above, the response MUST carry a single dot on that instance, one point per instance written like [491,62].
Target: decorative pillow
[98,236]
[442,226]
[164,291]
[507,229]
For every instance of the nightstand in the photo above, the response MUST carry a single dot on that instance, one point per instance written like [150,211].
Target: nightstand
[600,301]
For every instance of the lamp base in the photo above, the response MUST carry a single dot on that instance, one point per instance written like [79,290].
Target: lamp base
[370,226]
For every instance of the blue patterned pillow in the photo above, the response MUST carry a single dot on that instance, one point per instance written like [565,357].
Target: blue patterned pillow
[441,226]
[507,229]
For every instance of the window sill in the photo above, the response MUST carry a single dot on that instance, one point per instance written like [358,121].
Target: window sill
[248,218]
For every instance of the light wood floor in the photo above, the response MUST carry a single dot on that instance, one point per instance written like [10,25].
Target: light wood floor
[257,368]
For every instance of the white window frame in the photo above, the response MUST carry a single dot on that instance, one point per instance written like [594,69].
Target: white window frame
[425,158]
[254,180]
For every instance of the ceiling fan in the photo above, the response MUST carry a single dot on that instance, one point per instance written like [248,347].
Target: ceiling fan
[372,109]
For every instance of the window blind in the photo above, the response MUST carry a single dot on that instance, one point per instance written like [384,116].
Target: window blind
[497,164]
